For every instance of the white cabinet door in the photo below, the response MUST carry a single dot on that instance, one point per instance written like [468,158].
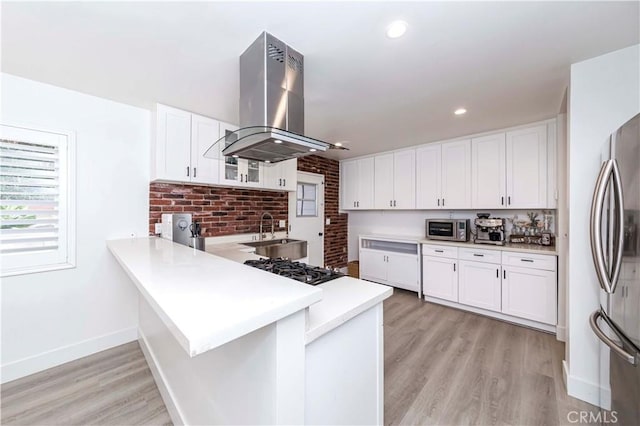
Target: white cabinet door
[289,174]
[530,293]
[527,168]
[383,181]
[479,285]
[173,144]
[456,175]
[404,179]
[349,183]
[440,278]
[488,172]
[229,166]
[402,271]
[428,176]
[204,133]
[365,188]
[552,166]
[373,265]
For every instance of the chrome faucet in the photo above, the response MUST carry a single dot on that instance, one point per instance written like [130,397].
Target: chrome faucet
[265,214]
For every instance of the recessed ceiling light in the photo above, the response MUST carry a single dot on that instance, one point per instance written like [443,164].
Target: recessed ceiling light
[460,111]
[267,161]
[313,150]
[396,29]
[235,156]
[277,141]
[338,144]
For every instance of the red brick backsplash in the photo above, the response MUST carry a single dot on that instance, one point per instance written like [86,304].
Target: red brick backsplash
[227,211]
[221,211]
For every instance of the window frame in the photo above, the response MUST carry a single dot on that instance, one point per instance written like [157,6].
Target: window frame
[315,199]
[65,256]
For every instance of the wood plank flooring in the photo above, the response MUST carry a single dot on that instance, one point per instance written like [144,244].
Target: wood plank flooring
[112,387]
[442,366]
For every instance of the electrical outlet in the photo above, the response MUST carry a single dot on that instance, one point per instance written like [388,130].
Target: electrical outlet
[281,223]
[157,228]
[328,221]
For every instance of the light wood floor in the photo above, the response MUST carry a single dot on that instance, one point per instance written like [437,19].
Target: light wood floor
[113,387]
[449,367]
[442,366]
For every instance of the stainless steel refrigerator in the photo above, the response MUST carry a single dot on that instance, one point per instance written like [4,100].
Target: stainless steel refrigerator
[615,219]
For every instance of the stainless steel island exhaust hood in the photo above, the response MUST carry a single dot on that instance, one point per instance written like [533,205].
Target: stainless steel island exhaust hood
[271,106]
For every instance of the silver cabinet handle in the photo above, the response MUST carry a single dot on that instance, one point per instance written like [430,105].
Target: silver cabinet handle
[354,204]
[526,260]
[608,171]
[443,202]
[454,267]
[194,171]
[358,203]
[504,274]
[241,177]
[509,200]
[187,170]
[478,255]
[439,251]
[284,182]
[280,182]
[394,203]
[502,201]
[497,273]
[593,321]
[390,203]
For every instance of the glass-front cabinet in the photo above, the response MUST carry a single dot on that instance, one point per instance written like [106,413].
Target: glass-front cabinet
[237,171]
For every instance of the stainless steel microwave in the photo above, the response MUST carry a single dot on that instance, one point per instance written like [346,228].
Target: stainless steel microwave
[448,229]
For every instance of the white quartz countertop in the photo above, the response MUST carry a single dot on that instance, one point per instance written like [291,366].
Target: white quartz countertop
[524,248]
[206,300]
[343,299]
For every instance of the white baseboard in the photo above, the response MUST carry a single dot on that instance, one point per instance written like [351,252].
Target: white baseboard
[587,391]
[165,392]
[561,333]
[36,363]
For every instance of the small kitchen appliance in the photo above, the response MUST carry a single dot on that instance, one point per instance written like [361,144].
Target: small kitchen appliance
[176,227]
[489,230]
[447,229]
[312,275]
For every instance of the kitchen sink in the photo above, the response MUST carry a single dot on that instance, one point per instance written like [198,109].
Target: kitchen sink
[280,247]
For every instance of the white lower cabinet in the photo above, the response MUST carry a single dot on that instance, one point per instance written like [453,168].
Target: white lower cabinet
[513,286]
[391,262]
[440,277]
[530,293]
[479,285]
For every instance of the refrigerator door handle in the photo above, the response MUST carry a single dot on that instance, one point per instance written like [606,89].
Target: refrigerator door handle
[593,321]
[608,170]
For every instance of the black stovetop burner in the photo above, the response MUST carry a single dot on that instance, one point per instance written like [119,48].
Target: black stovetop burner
[299,271]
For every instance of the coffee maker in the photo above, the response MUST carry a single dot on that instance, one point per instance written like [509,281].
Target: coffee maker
[489,230]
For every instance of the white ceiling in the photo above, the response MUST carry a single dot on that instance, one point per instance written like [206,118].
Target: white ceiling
[507,63]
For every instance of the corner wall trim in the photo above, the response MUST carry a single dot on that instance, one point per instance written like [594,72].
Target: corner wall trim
[36,363]
[593,393]
[561,333]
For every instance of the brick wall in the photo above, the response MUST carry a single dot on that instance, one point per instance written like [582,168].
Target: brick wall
[222,211]
[227,211]
[335,234]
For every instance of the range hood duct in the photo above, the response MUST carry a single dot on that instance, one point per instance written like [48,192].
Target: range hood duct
[271,106]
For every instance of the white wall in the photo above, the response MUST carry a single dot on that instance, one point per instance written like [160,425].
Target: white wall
[53,317]
[411,223]
[604,94]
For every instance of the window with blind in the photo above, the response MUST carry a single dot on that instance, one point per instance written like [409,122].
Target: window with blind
[306,200]
[36,200]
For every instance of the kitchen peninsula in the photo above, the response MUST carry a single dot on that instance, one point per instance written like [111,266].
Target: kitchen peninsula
[231,344]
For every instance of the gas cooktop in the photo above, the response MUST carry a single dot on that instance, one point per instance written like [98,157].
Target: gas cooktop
[299,271]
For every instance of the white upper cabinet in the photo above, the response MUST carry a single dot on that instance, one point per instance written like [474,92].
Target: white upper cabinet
[237,171]
[509,170]
[356,184]
[527,168]
[488,173]
[282,175]
[204,132]
[444,175]
[395,180]
[181,140]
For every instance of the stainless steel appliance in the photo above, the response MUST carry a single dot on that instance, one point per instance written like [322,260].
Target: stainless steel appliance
[489,230]
[447,229]
[312,275]
[614,248]
[271,106]
[177,227]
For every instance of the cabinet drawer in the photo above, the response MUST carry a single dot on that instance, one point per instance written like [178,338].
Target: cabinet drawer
[440,251]
[479,255]
[527,260]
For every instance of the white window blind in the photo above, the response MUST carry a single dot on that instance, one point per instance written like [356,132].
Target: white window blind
[35,202]
[306,200]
